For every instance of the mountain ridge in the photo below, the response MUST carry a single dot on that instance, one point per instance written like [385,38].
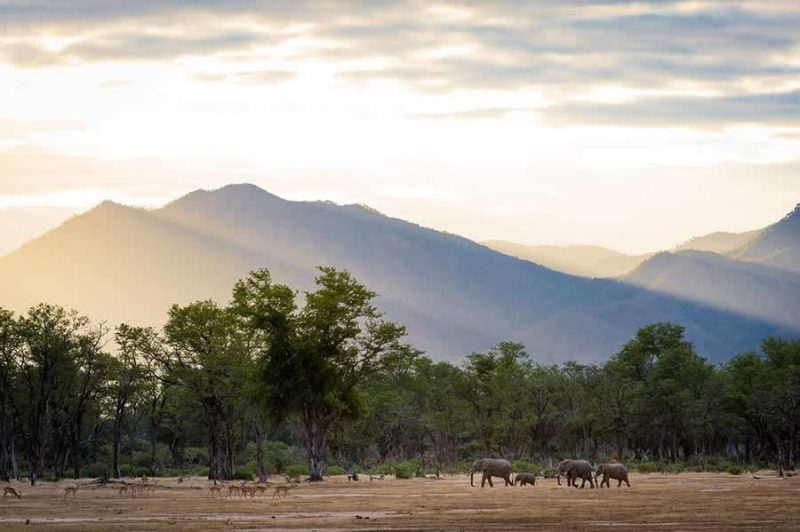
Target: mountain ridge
[455,295]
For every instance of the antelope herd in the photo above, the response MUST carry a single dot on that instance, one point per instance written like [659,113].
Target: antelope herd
[143,486]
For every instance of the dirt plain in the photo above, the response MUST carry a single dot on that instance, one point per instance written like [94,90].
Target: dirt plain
[655,502]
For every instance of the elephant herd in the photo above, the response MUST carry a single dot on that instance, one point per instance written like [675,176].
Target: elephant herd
[574,470]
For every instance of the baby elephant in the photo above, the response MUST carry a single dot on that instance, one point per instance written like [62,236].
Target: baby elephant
[525,478]
[615,471]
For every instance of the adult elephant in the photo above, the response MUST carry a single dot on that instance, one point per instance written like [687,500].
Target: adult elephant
[491,467]
[575,469]
[614,471]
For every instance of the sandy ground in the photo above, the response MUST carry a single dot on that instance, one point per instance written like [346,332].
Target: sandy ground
[655,502]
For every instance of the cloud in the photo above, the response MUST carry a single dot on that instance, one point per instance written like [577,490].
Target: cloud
[732,50]
[256,77]
[781,108]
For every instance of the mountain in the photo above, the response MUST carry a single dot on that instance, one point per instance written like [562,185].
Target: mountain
[586,261]
[749,288]
[454,295]
[596,261]
[719,242]
[778,245]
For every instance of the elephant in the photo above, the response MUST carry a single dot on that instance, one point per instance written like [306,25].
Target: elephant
[616,471]
[562,469]
[525,478]
[575,469]
[491,467]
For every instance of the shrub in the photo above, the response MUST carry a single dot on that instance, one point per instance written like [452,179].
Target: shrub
[675,468]
[277,456]
[201,471]
[647,467]
[734,469]
[196,455]
[296,470]
[404,470]
[169,472]
[96,470]
[407,469]
[521,466]
[335,470]
[244,473]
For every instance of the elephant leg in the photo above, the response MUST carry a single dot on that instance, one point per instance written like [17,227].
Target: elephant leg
[627,482]
[591,481]
[483,480]
[489,479]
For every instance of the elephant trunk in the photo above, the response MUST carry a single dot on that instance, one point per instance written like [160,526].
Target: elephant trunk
[471,477]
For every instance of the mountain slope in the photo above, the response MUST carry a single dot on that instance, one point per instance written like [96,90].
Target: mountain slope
[719,242]
[748,288]
[778,245]
[586,261]
[454,295]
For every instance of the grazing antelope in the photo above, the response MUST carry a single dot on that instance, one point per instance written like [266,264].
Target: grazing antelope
[261,490]
[71,490]
[280,491]
[248,490]
[8,490]
[215,491]
[122,490]
[237,489]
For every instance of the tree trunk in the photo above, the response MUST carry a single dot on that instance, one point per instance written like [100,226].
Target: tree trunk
[77,459]
[153,429]
[14,463]
[117,458]
[262,470]
[316,437]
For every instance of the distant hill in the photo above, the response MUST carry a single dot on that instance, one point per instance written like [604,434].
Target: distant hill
[596,261]
[455,296]
[586,261]
[749,288]
[778,245]
[719,242]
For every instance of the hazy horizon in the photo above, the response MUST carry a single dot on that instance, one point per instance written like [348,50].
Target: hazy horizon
[548,123]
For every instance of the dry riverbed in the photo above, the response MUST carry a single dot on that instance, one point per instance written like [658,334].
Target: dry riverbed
[655,502]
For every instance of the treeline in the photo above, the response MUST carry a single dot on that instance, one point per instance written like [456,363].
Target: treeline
[269,381]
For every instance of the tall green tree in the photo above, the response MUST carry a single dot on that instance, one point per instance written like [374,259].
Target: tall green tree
[315,358]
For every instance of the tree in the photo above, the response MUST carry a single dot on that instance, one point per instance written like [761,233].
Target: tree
[50,334]
[314,359]
[209,355]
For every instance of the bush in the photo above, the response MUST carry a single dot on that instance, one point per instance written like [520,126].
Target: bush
[96,470]
[407,469]
[244,473]
[128,470]
[277,456]
[647,467]
[335,470]
[202,471]
[296,470]
[734,469]
[169,472]
[521,466]
[196,455]
[675,468]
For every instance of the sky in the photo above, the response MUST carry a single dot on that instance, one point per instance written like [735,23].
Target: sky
[629,125]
